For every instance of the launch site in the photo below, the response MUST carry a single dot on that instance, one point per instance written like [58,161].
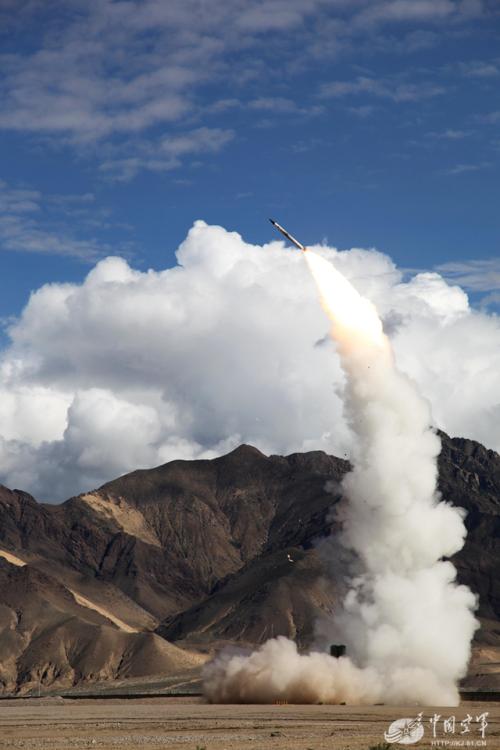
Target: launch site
[250,466]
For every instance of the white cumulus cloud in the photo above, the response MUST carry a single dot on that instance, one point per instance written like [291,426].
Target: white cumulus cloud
[130,369]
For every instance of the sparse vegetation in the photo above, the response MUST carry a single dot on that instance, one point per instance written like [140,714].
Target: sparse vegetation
[380,746]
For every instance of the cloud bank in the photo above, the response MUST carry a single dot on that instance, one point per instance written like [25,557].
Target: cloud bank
[132,369]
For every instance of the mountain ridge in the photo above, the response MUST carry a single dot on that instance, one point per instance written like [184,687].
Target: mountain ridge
[209,551]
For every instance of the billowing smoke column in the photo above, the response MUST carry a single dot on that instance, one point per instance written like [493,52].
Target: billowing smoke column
[407,623]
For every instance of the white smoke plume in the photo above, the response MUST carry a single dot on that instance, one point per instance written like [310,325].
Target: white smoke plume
[406,622]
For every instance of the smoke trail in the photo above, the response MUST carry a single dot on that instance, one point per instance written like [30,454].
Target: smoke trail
[407,623]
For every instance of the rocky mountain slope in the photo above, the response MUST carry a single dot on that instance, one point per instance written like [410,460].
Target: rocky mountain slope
[48,637]
[197,552]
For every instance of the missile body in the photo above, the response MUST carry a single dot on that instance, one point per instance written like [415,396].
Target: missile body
[288,236]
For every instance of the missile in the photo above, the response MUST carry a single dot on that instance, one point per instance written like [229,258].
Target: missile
[288,236]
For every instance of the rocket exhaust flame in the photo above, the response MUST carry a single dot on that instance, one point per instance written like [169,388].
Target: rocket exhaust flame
[406,622]
[355,318]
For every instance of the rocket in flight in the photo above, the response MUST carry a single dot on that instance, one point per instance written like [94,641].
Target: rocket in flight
[288,236]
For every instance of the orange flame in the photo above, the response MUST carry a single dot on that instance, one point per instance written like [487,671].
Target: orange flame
[353,316]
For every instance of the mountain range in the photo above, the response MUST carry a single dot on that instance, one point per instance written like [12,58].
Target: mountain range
[146,575]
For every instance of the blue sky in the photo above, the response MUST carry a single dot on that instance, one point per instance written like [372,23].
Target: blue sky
[361,123]
[366,123]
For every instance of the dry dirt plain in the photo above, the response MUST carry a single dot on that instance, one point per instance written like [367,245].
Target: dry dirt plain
[188,724]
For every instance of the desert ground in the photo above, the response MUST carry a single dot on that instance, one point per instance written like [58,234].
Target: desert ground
[188,724]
